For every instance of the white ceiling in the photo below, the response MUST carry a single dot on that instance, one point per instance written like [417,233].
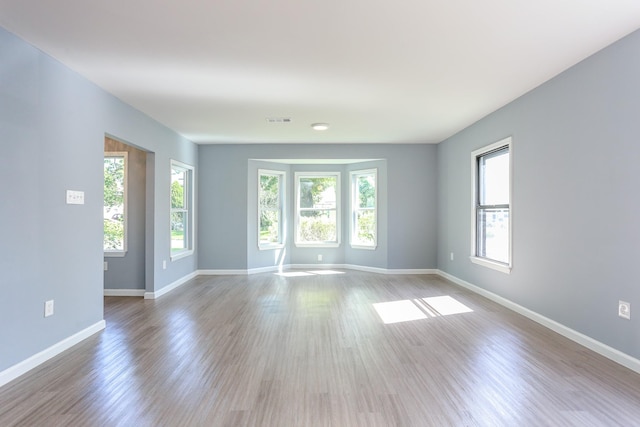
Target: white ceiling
[413,71]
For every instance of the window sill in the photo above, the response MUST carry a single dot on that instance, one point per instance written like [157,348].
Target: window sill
[178,255]
[498,266]
[115,254]
[270,247]
[368,248]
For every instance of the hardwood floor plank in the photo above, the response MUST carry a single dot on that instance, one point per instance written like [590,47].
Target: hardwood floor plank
[269,350]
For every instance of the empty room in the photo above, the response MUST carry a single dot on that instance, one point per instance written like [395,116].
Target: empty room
[320,213]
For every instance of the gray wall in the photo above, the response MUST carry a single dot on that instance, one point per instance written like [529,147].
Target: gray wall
[575,209]
[228,221]
[52,128]
[128,271]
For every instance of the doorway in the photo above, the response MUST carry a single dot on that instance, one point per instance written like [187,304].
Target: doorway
[125,219]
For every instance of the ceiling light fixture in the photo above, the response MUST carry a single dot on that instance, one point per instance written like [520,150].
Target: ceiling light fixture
[320,126]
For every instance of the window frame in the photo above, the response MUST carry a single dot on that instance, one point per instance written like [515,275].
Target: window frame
[354,176]
[282,175]
[125,156]
[189,189]
[338,209]
[476,207]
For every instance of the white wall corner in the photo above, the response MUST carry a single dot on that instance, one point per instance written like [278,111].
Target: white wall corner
[170,287]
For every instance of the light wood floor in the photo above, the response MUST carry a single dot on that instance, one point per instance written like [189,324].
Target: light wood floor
[267,350]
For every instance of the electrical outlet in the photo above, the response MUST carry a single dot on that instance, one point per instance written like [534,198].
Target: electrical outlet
[105,266]
[451,256]
[48,308]
[624,310]
[319,257]
[164,264]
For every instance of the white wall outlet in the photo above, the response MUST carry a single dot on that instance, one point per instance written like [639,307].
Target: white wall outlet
[319,257]
[75,197]
[48,308]
[624,310]
[105,265]
[451,256]
[164,264]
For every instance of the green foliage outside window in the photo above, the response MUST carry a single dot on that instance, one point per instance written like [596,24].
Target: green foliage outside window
[364,232]
[317,204]
[114,182]
[179,208]
[269,208]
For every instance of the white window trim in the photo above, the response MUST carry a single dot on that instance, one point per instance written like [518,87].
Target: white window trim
[495,265]
[338,241]
[190,235]
[281,234]
[125,201]
[353,207]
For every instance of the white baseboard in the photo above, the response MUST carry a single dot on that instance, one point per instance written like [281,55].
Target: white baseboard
[316,267]
[584,340]
[222,272]
[313,266]
[271,269]
[390,271]
[37,359]
[368,269]
[124,292]
[170,287]
[413,271]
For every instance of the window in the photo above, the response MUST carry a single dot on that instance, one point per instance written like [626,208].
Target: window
[181,209]
[115,204]
[364,208]
[271,186]
[317,209]
[491,240]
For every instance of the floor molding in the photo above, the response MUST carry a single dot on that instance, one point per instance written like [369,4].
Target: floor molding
[272,269]
[39,358]
[277,268]
[170,287]
[222,272]
[124,292]
[584,340]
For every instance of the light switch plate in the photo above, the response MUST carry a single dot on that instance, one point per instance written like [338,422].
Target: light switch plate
[75,197]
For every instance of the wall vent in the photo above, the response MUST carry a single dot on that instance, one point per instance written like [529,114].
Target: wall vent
[279,120]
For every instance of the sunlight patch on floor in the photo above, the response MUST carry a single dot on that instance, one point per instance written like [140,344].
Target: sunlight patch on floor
[308,273]
[293,274]
[416,309]
[446,305]
[326,272]
[399,311]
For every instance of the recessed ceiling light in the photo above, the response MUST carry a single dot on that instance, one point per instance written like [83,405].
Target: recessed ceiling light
[320,126]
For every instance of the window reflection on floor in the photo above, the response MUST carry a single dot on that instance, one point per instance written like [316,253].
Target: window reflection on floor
[308,273]
[422,308]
